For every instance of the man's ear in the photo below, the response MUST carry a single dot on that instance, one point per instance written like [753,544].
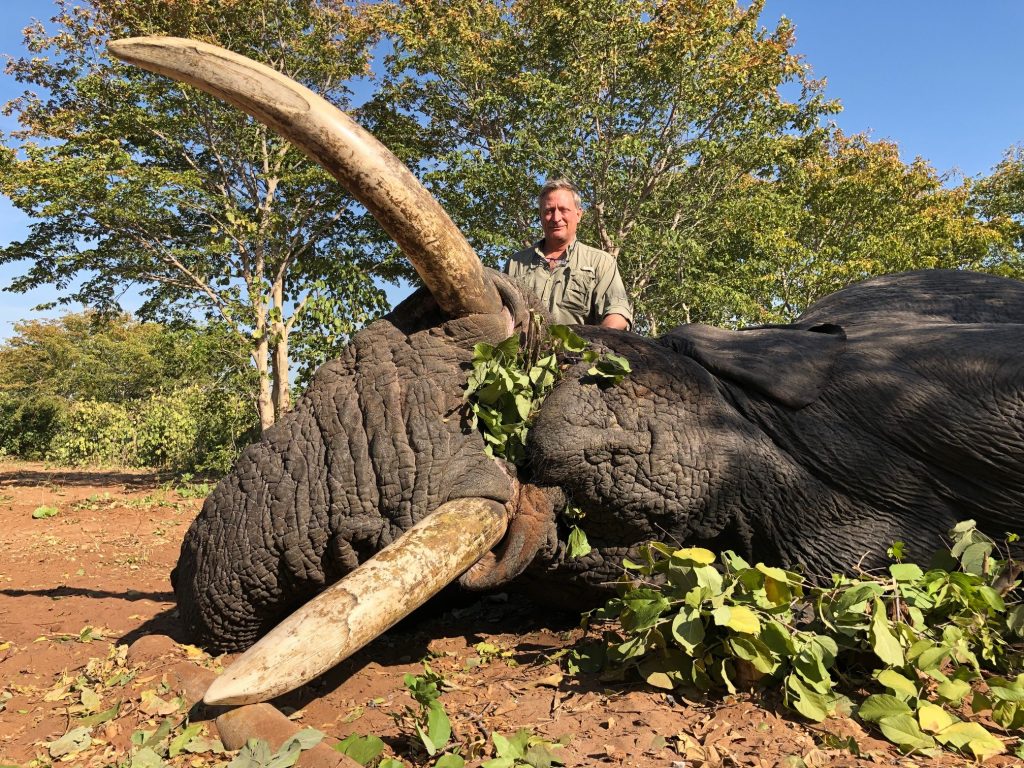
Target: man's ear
[789,364]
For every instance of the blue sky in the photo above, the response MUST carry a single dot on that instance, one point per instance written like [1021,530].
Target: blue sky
[941,78]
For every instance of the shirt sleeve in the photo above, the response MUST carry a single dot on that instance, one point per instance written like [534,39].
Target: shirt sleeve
[611,295]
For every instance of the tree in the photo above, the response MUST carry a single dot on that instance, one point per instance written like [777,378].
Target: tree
[85,356]
[850,210]
[659,110]
[1000,199]
[136,181]
[114,389]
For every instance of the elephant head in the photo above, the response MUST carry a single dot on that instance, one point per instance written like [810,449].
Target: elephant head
[890,410]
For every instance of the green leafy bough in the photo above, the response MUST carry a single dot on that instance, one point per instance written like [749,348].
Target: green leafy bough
[937,647]
[508,385]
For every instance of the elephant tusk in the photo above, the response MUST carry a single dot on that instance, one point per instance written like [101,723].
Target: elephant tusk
[365,167]
[365,603]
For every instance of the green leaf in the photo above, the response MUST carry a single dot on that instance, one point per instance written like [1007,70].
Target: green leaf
[975,557]
[953,691]
[694,556]
[439,727]
[808,702]
[778,639]
[752,650]
[738,618]
[511,748]
[991,598]
[179,742]
[974,738]
[71,742]
[883,642]
[611,367]
[1006,692]
[1015,620]
[363,749]
[904,732]
[688,629]
[882,705]
[905,571]
[933,657]
[1008,714]
[932,717]
[578,545]
[570,342]
[643,608]
[40,513]
[147,758]
[102,717]
[448,760]
[903,688]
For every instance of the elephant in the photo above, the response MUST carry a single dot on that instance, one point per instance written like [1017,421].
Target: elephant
[887,411]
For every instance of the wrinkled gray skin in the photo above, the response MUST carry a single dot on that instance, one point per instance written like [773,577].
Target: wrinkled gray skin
[889,411]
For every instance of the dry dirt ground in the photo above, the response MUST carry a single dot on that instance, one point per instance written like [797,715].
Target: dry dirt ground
[78,587]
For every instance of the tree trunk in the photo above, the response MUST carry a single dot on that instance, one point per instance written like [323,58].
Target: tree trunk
[279,353]
[279,371]
[264,401]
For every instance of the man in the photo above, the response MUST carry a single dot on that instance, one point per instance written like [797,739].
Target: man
[576,283]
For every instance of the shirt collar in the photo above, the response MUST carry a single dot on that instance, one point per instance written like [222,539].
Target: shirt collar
[567,255]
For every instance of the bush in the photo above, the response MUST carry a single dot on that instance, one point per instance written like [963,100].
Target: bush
[91,432]
[192,429]
[27,425]
[166,431]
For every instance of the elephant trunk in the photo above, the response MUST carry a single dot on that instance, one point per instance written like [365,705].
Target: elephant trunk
[368,170]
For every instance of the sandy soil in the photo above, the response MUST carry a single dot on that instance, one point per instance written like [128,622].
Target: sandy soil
[80,585]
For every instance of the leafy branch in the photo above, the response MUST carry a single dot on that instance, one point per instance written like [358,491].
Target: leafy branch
[940,642]
[508,385]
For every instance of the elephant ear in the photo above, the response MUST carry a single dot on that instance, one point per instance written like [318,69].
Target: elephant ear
[788,363]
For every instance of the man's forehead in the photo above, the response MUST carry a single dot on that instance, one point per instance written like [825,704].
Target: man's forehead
[558,198]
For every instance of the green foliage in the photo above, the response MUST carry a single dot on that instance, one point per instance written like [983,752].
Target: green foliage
[434,730]
[430,719]
[41,513]
[187,430]
[508,385]
[86,389]
[27,424]
[935,639]
[1000,200]
[523,749]
[91,432]
[257,754]
[848,209]
[134,180]
[578,546]
[363,749]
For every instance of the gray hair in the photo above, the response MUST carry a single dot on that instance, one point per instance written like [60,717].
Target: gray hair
[560,183]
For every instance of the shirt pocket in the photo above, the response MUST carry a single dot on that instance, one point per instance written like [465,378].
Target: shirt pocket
[579,292]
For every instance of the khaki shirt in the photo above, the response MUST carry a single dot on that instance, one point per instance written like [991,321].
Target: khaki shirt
[584,288]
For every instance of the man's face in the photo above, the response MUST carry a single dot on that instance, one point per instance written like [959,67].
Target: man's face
[559,216]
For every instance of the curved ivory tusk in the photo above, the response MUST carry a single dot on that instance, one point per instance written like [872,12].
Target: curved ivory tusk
[366,168]
[375,596]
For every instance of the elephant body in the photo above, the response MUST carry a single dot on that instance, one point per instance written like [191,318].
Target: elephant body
[889,411]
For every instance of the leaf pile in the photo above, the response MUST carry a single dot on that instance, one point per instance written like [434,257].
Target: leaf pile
[934,646]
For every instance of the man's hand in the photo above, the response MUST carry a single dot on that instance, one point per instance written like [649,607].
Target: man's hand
[616,321]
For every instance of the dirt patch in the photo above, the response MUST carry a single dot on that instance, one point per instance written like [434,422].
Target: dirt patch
[78,585]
